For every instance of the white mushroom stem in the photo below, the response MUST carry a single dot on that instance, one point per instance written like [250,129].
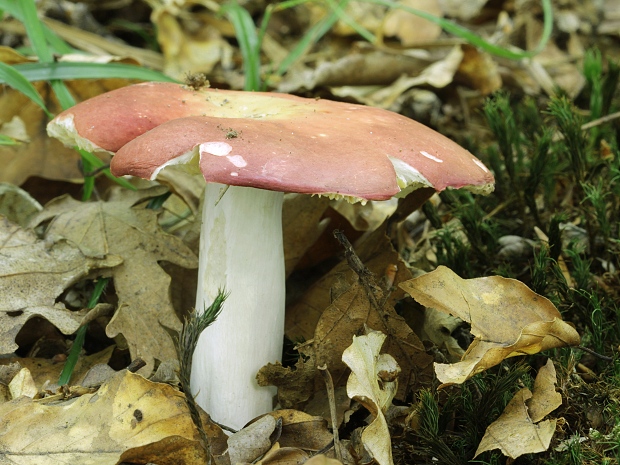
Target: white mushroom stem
[241,252]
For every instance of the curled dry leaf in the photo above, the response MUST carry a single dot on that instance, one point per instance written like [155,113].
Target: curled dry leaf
[128,419]
[284,456]
[373,382]
[294,385]
[507,319]
[302,431]
[519,430]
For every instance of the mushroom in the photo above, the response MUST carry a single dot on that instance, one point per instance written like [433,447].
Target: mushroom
[260,145]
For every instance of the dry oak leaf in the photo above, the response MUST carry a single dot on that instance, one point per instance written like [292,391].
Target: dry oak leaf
[507,319]
[33,273]
[373,383]
[128,419]
[143,288]
[519,429]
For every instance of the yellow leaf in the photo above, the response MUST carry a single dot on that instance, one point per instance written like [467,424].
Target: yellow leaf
[518,430]
[507,319]
[128,419]
[368,367]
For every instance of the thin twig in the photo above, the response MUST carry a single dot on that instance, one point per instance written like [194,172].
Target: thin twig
[331,397]
[596,354]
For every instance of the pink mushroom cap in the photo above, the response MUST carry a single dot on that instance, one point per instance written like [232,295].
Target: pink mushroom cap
[271,141]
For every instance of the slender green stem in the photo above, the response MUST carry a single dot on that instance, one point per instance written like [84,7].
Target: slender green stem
[476,40]
[78,343]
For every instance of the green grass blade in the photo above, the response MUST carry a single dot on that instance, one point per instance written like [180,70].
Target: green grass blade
[78,343]
[272,8]
[57,45]
[94,163]
[476,40]
[246,34]
[6,140]
[13,78]
[89,181]
[62,93]
[74,355]
[345,18]
[312,36]
[34,29]
[72,70]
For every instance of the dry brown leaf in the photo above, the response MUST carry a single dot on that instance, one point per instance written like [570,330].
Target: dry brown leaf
[545,399]
[191,43]
[347,316]
[295,385]
[301,225]
[284,456]
[128,419]
[440,73]
[376,252]
[23,384]
[17,205]
[411,29]
[322,460]
[302,431]
[507,319]
[373,382]
[355,69]
[479,71]
[251,442]
[320,405]
[518,430]
[47,371]
[100,228]
[33,273]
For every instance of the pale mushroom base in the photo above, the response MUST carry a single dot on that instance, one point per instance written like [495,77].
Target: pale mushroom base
[241,252]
